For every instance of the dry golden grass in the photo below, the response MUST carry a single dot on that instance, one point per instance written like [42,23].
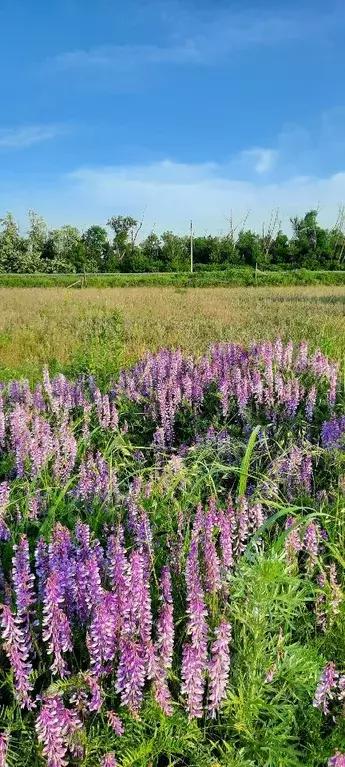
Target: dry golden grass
[48,325]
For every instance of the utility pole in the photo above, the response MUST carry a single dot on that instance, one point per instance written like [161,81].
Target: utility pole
[191,247]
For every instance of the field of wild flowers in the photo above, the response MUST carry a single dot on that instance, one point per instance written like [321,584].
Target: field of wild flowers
[173,563]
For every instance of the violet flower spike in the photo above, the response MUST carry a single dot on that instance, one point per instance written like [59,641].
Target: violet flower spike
[115,722]
[165,625]
[325,688]
[18,654]
[194,655]
[23,584]
[56,629]
[337,760]
[211,559]
[55,727]
[4,738]
[102,636]
[219,667]
[108,760]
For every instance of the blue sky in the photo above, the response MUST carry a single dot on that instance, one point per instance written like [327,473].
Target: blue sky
[180,109]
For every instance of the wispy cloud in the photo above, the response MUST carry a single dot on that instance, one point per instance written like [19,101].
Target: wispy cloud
[262,160]
[200,40]
[128,57]
[25,136]
[173,193]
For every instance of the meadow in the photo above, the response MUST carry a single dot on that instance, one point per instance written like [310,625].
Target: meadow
[172,527]
[102,330]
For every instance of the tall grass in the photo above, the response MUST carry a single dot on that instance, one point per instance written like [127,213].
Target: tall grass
[234,277]
[56,327]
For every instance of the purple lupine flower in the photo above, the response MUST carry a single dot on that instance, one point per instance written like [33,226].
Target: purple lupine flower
[61,561]
[42,564]
[4,738]
[311,544]
[333,380]
[333,433]
[165,624]
[198,522]
[144,538]
[219,667]
[117,564]
[336,593]
[131,673]
[94,481]
[211,559]
[108,760]
[115,722]
[2,423]
[226,540]
[271,674]
[140,616]
[306,472]
[20,436]
[325,688]
[18,654]
[256,517]
[4,502]
[23,584]
[311,402]
[157,673]
[5,533]
[96,702]
[341,688]
[103,632]
[56,628]
[337,760]
[65,452]
[320,603]
[55,727]
[302,356]
[88,590]
[293,542]
[4,497]
[287,355]
[194,656]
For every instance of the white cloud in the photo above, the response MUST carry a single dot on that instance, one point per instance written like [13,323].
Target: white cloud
[128,57]
[171,194]
[263,160]
[26,135]
[205,39]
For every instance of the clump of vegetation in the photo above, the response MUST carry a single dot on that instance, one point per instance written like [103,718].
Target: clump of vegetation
[67,250]
[172,582]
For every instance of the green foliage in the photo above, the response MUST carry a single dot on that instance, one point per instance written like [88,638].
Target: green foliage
[68,250]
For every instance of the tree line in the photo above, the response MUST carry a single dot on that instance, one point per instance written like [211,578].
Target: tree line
[119,249]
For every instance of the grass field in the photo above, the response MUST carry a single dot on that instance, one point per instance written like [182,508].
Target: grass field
[172,571]
[234,277]
[68,330]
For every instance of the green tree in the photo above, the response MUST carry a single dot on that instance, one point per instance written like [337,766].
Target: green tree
[311,245]
[14,255]
[37,235]
[175,252]
[152,253]
[97,249]
[248,247]
[280,249]
[125,229]
[65,246]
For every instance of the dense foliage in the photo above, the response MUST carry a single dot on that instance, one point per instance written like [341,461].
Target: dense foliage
[68,250]
[173,571]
